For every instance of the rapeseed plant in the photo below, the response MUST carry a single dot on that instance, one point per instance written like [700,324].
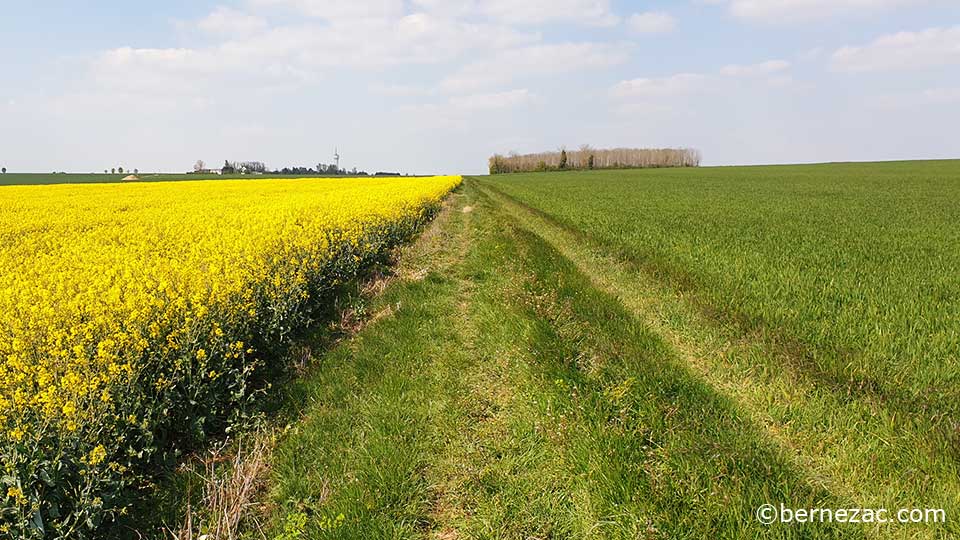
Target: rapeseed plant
[134,316]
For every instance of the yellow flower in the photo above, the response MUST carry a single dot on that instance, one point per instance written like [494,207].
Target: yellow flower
[112,292]
[97,455]
[16,494]
[69,409]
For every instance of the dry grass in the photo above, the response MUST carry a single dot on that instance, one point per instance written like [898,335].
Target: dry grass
[232,478]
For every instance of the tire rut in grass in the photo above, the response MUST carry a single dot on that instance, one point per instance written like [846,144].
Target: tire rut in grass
[659,453]
[839,445]
[798,357]
[603,436]
[478,475]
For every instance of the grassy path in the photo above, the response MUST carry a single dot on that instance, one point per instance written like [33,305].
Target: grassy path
[516,384]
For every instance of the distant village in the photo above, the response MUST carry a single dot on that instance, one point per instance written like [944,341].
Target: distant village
[258,167]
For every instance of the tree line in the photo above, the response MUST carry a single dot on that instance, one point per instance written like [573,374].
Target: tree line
[119,170]
[587,158]
[258,167]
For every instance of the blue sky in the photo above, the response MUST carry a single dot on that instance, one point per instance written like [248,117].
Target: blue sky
[426,86]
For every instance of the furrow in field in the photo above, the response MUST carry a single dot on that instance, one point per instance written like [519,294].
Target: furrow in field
[853,448]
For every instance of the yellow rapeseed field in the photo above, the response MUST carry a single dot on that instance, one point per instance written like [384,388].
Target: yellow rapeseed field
[133,316]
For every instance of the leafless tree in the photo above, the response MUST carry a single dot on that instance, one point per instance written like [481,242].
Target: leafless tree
[589,158]
[199,166]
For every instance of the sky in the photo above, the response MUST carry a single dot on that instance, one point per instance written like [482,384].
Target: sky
[437,86]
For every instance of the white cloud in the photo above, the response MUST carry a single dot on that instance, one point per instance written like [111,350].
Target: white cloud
[649,93]
[811,54]
[674,85]
[534,60]
[779,11]
[590,12]
[930,97]
[362,34]
[941,95]
[644,108]
[493,101]
[527,12]
[652,22]
[300,53]
[337,9]
[781,81]
[460,113]
[169,70]
[451,35]
[447,8]
[763,68]
[934,47]
[224,20]
[399,90]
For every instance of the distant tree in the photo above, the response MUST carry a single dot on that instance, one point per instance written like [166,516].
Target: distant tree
[136,171]
[228,168]
[497,164]
[250,167]
[587,158]
[119,170]
[563,159]
[4,170]
[105,171]
[199,166]
[113,171]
